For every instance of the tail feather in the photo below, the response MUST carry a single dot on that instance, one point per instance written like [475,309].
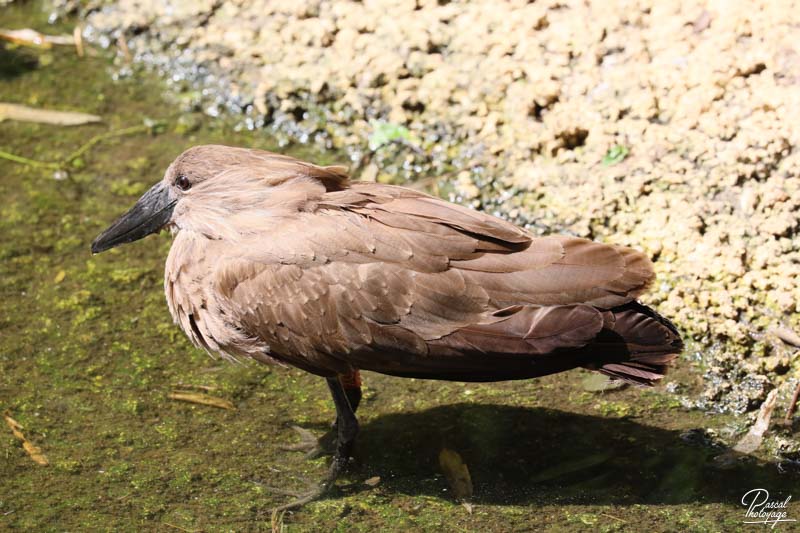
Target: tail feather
[636,344]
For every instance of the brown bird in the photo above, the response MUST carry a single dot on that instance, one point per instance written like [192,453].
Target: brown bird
[284,261]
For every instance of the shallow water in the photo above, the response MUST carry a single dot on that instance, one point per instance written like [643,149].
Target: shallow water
[89,354]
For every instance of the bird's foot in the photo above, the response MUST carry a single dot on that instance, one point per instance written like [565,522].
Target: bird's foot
[315,491]
[345,431]
[312,446]
[350,385]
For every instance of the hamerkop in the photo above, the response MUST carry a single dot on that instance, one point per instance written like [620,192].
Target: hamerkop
[284,261]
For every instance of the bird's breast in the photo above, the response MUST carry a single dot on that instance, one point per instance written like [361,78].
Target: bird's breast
[192,300]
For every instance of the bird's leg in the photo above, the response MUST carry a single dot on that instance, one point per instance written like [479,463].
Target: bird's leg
[315,447]
[346,431]
[351,383]
[346,425]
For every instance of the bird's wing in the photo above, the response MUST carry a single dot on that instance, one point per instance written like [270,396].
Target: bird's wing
[385,270]
[508,263]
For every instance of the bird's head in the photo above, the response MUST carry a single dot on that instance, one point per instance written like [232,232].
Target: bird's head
[222,192]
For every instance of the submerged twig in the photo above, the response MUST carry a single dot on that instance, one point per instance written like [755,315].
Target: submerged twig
[29,37]
[24,113]
[85,147]
[77,36]
[142,128]
[179,528]
[202,399]
[33,451]
[276,521]
[614,517]
[753,438]
[30,162]
[208,388]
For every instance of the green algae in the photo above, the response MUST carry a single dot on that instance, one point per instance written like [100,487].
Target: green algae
[88,355]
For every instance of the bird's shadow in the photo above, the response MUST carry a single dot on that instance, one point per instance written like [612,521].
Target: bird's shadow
[522,455]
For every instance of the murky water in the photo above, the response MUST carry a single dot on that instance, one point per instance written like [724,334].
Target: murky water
[89,355]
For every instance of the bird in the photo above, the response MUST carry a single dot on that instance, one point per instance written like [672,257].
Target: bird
[287,262]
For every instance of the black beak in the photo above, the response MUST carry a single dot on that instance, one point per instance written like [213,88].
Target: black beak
[148,215]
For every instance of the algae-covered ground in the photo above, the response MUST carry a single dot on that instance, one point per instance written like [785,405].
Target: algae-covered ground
[89,357]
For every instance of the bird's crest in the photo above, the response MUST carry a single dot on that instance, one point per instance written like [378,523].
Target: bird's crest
[206,161]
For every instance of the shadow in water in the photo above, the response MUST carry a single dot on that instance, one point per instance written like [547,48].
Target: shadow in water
[524,455]
[16,62]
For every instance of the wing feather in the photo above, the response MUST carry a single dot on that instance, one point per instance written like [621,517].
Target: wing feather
[381,277]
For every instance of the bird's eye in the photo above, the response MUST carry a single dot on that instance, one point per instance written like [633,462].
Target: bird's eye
[183,183]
